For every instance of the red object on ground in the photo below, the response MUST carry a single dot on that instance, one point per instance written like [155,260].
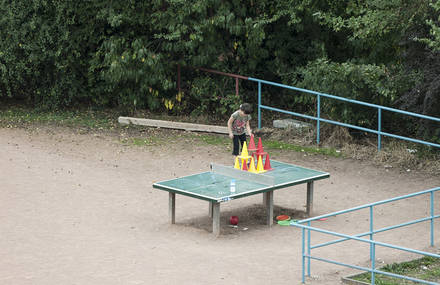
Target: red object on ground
[233,220]
[252,144]
[267,163]
[283,218]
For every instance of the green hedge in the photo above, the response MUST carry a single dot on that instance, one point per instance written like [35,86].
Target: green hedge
[125,54]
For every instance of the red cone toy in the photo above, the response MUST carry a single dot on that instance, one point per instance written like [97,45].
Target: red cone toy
[252,144]
[267,163]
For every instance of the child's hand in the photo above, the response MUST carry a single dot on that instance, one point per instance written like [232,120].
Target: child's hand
[231,135]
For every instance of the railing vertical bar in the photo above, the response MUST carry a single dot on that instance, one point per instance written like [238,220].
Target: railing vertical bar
[373,264]
[371,230]
[236,86]
[308,250]
[303,231]
[318,114]
[259,104]
[379,128]
[432,218]
[319,119]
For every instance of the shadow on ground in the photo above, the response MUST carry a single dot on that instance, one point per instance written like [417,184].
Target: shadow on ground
[251,218]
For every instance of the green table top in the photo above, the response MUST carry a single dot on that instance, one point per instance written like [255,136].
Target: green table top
[215,187]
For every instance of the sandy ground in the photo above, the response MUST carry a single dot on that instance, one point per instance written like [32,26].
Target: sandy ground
[80,209]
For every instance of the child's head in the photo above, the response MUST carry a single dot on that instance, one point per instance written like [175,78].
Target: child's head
[246,108]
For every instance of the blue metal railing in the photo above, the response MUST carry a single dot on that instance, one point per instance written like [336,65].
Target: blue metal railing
[319,119]
[307,229]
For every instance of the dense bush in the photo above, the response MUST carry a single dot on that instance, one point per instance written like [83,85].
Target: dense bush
[125,54]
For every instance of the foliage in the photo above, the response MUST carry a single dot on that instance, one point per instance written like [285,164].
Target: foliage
[125,54]
[426,268]
[434,24]
[362,82]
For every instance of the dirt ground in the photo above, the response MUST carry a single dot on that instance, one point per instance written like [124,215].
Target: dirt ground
[80,209]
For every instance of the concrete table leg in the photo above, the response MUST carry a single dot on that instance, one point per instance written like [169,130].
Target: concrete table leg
[309,210]
[211,204]
[172,207]
[216,218]
[269,207]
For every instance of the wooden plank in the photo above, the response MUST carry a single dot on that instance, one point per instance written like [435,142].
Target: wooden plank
[173,125]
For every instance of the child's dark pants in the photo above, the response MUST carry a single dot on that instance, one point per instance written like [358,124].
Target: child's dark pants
[238,141]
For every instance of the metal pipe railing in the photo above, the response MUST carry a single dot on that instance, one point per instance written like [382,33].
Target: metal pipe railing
[319,119]
[307,229]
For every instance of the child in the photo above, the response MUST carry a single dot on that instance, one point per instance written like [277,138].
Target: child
[238,123]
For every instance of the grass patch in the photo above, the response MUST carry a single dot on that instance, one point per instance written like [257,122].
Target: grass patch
[426,268]
[214,140]
[307,149]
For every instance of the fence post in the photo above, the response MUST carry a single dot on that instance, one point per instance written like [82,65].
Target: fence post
[303,255]
[373,263]
[432,218]
[259,104]
[371,229]
[236,86]
[379,128]
[318,114]
[308,249]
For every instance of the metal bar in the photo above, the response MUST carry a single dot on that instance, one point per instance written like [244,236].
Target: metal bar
[303,255]
[236,86]
[308,250]
[259,105]
[376,231]
[379,127]
[223,73]
[345,99]
[371,230]
[373,263]
[318,113]
[351,126]
[371,204]
[432,218]
[367,241]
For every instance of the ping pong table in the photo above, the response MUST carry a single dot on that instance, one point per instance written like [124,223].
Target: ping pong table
[214,186]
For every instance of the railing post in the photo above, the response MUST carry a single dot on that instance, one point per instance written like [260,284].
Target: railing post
[236,86]
[432,218]
[303,255]
[318,114]
[259,104]
[379,128]
[373,263]
[371,229]
[308,249]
